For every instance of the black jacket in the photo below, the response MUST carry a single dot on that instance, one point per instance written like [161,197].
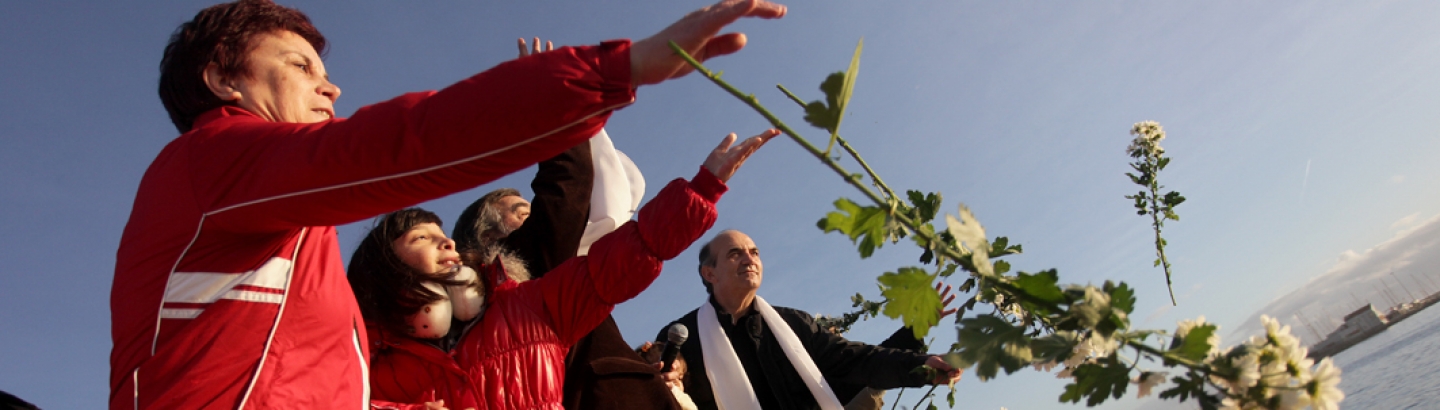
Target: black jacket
[847,366]
[602,372]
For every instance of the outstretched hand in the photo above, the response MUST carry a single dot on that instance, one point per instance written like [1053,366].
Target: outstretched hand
[727,158]
[525,48]
[945,298]
[652,61]
[946,374]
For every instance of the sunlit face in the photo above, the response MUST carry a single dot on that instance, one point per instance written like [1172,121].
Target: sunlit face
[426,248]
[513,212]
[286,81]
[737,269]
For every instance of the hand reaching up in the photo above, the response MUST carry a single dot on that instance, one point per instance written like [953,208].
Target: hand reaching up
[525,48]
[727,158]
[945,299]
[946,374]
[652,61]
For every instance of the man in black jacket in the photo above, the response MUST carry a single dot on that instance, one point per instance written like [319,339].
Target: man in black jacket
[732,271]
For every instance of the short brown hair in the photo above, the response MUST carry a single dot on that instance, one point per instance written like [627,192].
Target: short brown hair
[222,34]
[707,258]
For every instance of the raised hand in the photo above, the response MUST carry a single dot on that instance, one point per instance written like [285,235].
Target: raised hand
[945,299]
[652,61]
[727,158]
[945,373]
[525,48]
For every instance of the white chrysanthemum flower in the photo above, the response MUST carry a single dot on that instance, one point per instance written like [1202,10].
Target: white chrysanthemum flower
[1293,399]
[1231,403]
[1148,381]
[1014,309]
[1274,369]
[1272,326]
[1278,334]
[1324,389]
[1096,297]
[1078,354]
[1108,347]
[1248,369]
[1185,326]
[1150,130]
[1095,300]
[1299,364]
[1148,135]
[1102,346]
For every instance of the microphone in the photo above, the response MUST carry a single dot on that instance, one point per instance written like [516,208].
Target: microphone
[676,336]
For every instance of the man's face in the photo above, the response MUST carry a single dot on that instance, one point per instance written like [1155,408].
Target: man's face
[737,269]
[513,212]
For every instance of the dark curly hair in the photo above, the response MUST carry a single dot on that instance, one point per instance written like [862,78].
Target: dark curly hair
[386,288]
[222,34]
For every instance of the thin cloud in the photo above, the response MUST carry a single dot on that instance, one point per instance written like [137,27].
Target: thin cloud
[1157,313]
[1306,181]
[1406,221]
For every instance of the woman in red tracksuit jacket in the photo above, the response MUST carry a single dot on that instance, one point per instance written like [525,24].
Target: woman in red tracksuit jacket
[512,356]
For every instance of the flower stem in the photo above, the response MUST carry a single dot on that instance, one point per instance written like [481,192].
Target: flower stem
[1156,222]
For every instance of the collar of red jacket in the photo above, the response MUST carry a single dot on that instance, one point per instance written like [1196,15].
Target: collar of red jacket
[218,113]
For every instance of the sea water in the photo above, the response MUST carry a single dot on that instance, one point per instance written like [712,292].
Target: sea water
[1395,369]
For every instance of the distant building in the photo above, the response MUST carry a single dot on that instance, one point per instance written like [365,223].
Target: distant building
[1359,325]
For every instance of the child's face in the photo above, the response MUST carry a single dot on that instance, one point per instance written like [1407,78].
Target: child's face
[425,248]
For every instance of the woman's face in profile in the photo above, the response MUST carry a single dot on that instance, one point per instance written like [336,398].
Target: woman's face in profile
[426,249]
[285,81]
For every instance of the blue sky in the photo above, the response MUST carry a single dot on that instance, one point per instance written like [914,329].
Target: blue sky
[1299,132]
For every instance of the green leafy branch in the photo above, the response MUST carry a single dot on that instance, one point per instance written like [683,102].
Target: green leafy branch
[1150,159]
[1037,322]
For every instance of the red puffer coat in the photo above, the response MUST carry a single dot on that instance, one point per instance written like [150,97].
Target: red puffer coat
[406,373]
[515,355]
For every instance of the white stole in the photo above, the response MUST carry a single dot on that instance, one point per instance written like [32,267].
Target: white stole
[617,191]
[727,376]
